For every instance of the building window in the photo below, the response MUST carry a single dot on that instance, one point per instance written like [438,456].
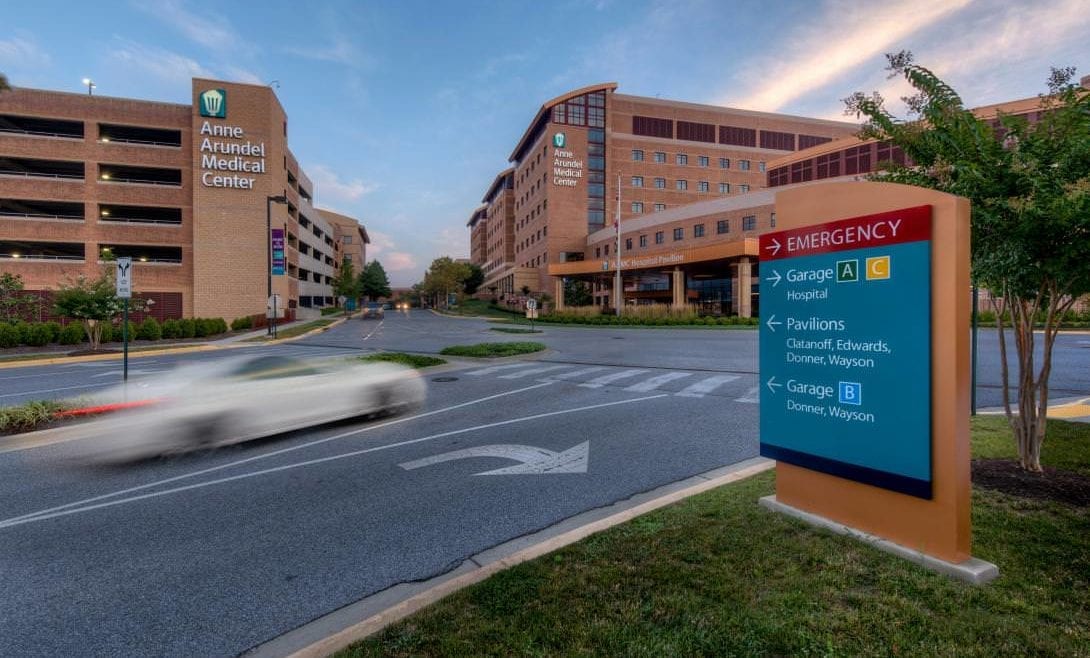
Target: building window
[724,188]
[643,240]
[702,160]
[659,207]
[660,183]
[743,165]
[628,244]
[702,186]
[698,231]
[605,250]
[660,237]
[772,220]
[742,189]
[637,207]
[679,234]
[761,166]
[597,252]
[682,159]
[749,223]
[637,155]
[637,181]
[724,163]
[722,226]
[682,185]
[660,157]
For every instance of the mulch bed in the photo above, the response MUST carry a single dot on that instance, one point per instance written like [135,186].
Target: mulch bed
[1057,485]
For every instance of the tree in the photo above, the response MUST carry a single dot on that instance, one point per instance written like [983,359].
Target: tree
[14,303]
[1029,184]
[373,281]
[577,293]
[93,302]
[525,291]
[474,280]
[444,276]
[4,86]
[347,284]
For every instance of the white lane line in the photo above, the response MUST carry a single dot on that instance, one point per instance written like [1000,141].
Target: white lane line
[704,386]
[54,390]
[489,371]
[41,374]
[655,382]
[43,516]
[274,453]
[751,397]
[532,371]
[577,373]
[374,330]
[599,382]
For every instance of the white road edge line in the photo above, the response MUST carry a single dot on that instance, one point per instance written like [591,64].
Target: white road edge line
[311,462]
[54,390]
[274,453]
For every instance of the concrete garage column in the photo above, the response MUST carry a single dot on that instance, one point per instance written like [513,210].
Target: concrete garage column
[741,284]
[677,286]
[558,293]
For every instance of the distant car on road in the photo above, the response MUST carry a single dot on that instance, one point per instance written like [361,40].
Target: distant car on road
[374,311]
[242,398]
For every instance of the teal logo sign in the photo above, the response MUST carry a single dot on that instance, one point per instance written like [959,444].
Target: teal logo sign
[213,103]
[845,349]
[559,140]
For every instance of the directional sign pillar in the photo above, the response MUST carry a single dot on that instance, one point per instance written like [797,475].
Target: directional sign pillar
[123,279]
[864,364]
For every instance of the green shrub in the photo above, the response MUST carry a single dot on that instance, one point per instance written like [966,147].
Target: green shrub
[55,329]
[219,326]
[20,328]
[72,334]
[149,330]
[170,329]
[200,327]
[28,416]
[245,322]
[188,327]
[9,335]
[37,335]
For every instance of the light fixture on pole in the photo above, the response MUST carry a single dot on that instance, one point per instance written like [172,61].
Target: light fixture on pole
[271,328]
[90,84]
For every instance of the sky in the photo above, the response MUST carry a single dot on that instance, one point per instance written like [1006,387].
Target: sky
[403,112]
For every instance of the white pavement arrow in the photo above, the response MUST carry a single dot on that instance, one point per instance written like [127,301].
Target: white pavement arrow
[774,279]
[771,323]
[772,385]
[535,461]
[775,246]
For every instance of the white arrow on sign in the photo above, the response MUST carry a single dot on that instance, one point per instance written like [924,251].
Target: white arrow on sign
[771,322]
[772,385]
[535,461]
[775,246]
[774,279]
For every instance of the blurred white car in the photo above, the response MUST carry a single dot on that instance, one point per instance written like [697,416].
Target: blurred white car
[227,401]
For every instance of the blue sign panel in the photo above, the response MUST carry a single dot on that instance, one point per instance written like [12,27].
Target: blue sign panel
[845,355]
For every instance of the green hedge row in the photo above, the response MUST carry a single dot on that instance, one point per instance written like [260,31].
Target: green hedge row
[39,334]
[648,322]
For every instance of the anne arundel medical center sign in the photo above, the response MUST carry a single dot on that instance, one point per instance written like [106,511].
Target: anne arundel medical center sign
[228,159]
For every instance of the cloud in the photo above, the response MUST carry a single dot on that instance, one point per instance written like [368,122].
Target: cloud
[238,74]
[22,50]
[330,188]
[341,51]
[384,249]
[398,261]
[845,36]
[163,64]
[209,30]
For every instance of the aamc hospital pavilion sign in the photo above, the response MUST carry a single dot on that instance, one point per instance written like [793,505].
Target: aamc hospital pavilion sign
[226,155]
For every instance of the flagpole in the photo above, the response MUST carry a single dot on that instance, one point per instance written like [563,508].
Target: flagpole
[618,294]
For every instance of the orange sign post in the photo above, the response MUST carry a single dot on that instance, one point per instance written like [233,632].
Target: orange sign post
[852,477]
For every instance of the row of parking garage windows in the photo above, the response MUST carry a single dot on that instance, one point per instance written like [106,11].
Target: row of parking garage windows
[108,133]
[74,211]
[28,250]
[107,173]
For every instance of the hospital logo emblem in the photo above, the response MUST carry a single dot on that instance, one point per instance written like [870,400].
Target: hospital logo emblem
[214,103]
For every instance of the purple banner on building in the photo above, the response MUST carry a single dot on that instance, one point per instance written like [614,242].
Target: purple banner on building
[277,251]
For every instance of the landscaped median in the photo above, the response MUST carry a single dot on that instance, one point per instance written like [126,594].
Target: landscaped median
[487,350]
[293,331]
[412,360]
[719,575]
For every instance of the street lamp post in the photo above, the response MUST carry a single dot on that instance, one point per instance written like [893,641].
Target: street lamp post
[269,329]
[90,84]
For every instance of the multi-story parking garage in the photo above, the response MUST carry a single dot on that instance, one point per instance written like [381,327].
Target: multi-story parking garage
[198,195]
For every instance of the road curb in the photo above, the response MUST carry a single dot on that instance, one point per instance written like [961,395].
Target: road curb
[340,628]
[49,361]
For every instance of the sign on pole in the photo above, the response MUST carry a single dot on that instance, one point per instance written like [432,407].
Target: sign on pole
[278,259]
[274,307]
[531,304]
[124,277]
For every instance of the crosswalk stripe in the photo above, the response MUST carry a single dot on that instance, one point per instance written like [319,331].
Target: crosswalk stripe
[577,373]
[699,389]
[599,382]
[750,397]
[532,371]
[655,382]
[492,369]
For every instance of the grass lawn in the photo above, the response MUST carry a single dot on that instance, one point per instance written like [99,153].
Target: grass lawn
[482,308]
[515,330]
[492,349]
[291,332]
[413,360]
[718,575]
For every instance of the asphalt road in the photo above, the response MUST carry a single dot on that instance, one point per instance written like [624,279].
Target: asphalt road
[214,553]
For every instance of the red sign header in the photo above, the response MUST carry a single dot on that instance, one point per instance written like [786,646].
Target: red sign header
[894,227]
